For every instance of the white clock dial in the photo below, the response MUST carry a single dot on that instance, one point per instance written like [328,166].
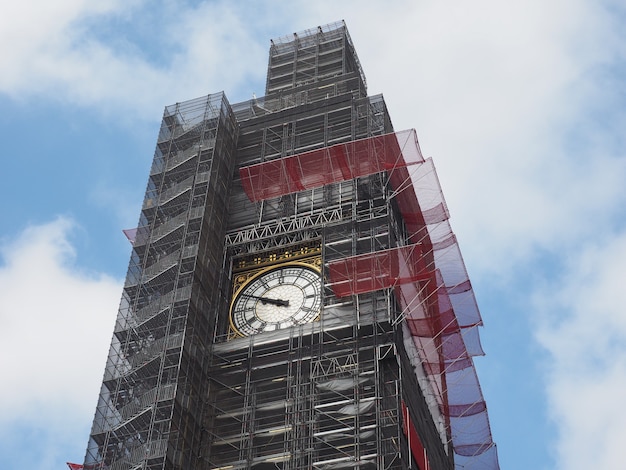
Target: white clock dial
[277,298]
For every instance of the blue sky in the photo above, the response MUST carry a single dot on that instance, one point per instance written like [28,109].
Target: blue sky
[521,105]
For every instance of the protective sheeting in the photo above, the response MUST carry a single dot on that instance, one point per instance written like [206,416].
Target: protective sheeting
[340,385]
[327,165]
[131,234]
[377,270]
[356,408]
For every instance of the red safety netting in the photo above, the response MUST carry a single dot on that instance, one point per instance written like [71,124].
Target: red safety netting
[339,162]
[377,270]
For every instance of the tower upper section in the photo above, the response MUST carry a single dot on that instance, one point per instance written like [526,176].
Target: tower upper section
[322,59]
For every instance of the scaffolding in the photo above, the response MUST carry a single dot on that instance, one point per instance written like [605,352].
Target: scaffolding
[423,269]
[150,380]
[313,173]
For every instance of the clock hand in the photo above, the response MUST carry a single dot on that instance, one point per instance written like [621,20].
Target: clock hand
[267,300]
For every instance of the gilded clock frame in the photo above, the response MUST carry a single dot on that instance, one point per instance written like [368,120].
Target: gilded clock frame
[246,270]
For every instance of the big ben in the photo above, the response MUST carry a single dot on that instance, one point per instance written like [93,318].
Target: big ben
[295,298]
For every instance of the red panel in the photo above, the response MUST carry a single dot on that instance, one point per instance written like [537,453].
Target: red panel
[377,270]
[415,444]
[339,162]
[409,207]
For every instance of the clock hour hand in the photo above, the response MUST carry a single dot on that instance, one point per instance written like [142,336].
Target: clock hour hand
[267,300]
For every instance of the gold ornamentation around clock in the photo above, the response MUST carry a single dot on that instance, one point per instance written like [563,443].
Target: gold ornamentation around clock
[277,297]
[280,255]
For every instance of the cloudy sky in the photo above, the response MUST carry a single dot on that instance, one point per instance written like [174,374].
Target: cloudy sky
[522,105]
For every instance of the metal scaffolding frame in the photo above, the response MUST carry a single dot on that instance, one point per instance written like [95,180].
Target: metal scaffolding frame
[353,389]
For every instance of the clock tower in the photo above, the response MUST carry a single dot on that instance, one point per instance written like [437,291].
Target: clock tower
[295,297]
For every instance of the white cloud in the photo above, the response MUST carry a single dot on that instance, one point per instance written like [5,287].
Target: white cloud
[56,327]
[36,34]
[583,327]
[56,55]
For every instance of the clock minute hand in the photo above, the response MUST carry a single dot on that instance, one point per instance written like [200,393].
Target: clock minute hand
[267,300]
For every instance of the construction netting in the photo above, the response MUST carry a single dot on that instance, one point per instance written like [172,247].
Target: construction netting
[428,276]
[328,165]
[131,234]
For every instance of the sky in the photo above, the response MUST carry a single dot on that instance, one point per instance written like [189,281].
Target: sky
[522,106]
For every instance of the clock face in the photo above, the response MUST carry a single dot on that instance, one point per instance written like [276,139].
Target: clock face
[280,297]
